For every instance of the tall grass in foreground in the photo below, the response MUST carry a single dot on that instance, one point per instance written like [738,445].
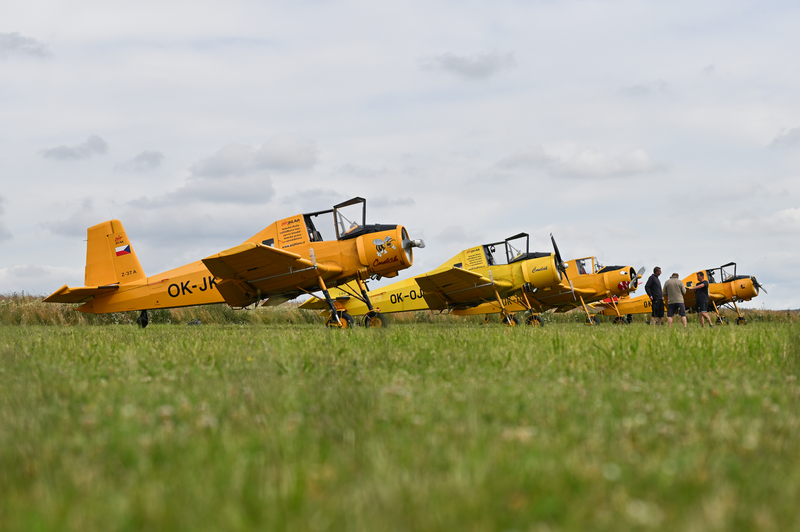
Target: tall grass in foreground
[440,426]
[22,309]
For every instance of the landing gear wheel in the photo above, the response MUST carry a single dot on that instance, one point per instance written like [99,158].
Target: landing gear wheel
[378,321]
[485,320]
[590,320]
[534,321]
[619,320]
[142,320]
[345,320]
[510,320]
[722,320]
[741,321]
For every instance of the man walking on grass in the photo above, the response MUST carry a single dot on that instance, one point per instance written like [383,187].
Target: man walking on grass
[675,290]
[653,289]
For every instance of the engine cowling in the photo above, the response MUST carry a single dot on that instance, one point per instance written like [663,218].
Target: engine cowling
[745,289]
[541,272]
[383,253]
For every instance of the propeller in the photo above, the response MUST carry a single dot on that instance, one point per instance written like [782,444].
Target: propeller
[635,277]
[757,285]
[562,266]
[408,244]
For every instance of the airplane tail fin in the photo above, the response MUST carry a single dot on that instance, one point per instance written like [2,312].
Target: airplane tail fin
[110,258]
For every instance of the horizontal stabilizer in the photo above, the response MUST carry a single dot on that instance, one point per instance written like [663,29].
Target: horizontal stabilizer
[81,294]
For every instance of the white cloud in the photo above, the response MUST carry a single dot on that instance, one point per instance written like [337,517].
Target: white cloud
[476,66]
[143,162]
[14,44]
[93,145]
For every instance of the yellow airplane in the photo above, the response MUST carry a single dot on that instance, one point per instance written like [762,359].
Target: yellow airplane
[488,272]
[588,281]
[725,287]
[284,260]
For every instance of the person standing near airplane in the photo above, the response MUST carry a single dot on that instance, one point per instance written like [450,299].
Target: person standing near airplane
[675,290]
[653,289]
[701,294]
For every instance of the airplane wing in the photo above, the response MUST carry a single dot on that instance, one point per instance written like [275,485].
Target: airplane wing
[456,286]
[82,294]
[250,271]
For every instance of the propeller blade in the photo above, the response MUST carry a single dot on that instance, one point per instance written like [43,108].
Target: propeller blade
[559,260]
[640,272]
[562,266]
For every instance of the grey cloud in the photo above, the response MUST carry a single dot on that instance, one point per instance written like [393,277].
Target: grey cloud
[532,156]
[287,153]
[360,171]
[709,69]
[645,89]
[14,44]
[252,189]
[145,161]
[315,198]
[93,145]
[27,270]
[787,139]
[5,234]
[391,202]
[280,153]
[456,234]
[476,66]
[75,225]
[590,162]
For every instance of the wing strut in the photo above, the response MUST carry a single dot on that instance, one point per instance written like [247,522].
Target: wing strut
[334,314]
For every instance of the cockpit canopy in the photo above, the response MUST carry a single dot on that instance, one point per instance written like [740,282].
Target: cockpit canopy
[347,220]
[516,249]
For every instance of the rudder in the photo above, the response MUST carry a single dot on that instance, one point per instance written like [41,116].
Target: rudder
[110,258]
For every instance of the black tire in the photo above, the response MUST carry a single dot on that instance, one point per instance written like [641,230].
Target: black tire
[741,321]
[345,321]
[143,319]
[590,320]
[619,320]
[534,321]
[510,320]
[376,322]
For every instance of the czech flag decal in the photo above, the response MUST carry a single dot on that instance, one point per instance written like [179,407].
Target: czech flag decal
[123,250]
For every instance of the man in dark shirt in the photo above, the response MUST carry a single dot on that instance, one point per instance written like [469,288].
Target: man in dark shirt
[653,289]
[701,296]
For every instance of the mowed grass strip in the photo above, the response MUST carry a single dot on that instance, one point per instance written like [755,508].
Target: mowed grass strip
[417,427]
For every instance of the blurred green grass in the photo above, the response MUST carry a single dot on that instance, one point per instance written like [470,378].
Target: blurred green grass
[445,425]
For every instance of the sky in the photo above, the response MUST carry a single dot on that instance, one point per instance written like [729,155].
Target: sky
[641,132]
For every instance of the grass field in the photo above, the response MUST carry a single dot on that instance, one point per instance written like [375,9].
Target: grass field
[444,425]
